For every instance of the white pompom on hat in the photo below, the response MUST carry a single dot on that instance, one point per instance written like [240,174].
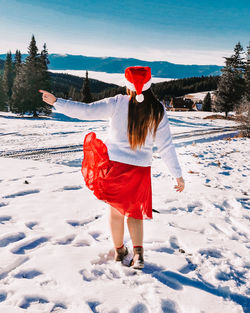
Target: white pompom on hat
[138,78]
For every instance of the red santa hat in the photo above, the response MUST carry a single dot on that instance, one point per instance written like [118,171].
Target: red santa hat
[138,78]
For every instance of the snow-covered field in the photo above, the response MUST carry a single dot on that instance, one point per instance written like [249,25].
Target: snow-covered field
[111,78]
[56,253]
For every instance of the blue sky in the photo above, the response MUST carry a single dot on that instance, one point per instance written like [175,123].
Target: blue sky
[187,32]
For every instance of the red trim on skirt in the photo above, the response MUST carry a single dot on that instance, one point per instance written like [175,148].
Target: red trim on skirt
[124,186]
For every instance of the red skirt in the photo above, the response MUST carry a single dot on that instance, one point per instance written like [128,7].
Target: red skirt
[125,187]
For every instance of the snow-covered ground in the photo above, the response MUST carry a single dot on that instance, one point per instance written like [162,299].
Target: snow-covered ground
[111,78]
[56,253]
[199,96]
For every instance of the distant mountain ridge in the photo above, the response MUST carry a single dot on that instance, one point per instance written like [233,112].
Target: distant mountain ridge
[162,69]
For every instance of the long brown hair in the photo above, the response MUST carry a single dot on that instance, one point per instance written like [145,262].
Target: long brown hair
[143,117]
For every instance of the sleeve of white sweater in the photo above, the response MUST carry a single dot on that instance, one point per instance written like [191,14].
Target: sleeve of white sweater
[166,148]
[102,109]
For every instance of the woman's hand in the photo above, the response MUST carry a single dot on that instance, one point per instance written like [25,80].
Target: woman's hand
[180,184]
[48,97]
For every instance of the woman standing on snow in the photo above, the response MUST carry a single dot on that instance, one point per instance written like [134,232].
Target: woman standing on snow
[118,171]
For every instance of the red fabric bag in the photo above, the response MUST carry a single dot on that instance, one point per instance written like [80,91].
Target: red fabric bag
[125,187]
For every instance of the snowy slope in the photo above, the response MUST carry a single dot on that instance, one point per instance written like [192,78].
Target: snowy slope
[55,247]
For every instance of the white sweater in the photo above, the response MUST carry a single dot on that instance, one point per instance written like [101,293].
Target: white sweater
[116,110]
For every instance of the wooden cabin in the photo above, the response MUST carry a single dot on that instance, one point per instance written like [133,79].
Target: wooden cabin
[180,104]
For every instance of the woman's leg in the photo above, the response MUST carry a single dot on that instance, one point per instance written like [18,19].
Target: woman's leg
[135,227]
[116,222]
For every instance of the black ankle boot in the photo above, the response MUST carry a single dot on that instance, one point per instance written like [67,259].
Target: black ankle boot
[120,253]
[138,261]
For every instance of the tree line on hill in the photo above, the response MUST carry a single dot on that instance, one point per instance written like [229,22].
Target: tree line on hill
[69,86]
[20,82]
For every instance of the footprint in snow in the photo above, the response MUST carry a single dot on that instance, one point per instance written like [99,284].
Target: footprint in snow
[169,306]
[139,308]
[40,302]
[28,274]
[239,277]
[190,267]
[77,223]
[52,174]
[174,242]
[245,202]
[226,167]
[2,204]
[29,245]
[225,173]
[86,275]
[4,219]
[22,193]
[194,206]
[57,307]
[82,243]
[95,235]
[157,175]
[31,225]
[65,240]
[96,307]
[213,253]
[68,188]
[72,187]
[164,250]
[4,272]
[99,271]
[93,305]
[5,241]
[3,296]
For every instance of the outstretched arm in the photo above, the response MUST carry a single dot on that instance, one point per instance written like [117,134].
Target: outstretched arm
[102,109]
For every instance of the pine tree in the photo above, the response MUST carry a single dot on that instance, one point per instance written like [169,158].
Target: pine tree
[238,58]
[85,91]
[207,103]
[16,69]
[231,85]
[8,76]
[247,73]
[32,50]
[3,97]
[239,70]
[45,82]
[244,117]
[224,101]
[21,100]
[19,103]
[32,68]
[32,76]
[17,60]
